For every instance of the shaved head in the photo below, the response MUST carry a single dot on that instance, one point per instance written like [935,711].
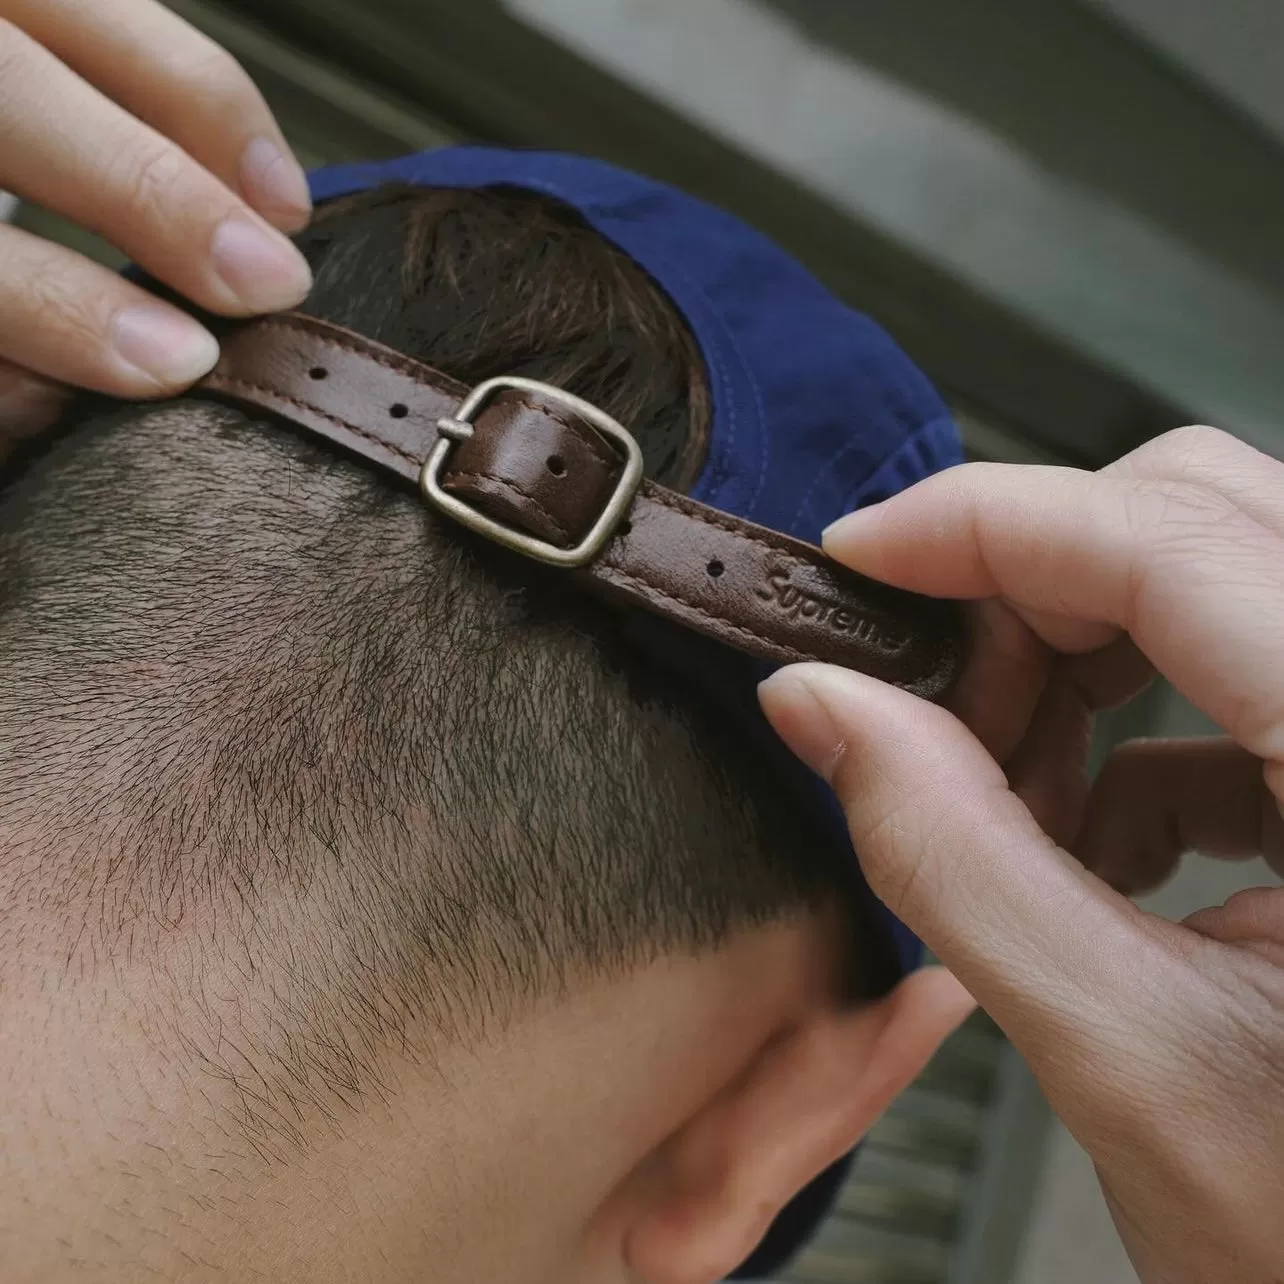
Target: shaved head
[322,774]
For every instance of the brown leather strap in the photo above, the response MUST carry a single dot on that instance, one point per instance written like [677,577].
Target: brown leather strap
[537,467]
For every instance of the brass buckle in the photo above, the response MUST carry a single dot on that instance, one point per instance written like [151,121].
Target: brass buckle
[459,427]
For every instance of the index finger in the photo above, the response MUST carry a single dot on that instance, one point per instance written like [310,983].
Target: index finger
[73,150]
[1196,580]
[176,79]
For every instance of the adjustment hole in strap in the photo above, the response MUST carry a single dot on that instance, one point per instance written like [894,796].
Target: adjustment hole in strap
[556,465]
[715,568]
[398,410]
[318,372]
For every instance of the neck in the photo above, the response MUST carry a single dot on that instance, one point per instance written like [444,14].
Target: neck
[126,1153]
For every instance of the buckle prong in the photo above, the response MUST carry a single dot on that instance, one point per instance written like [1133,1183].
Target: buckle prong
[458,427]
[455,429]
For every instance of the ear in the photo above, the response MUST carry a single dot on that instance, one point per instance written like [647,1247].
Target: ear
[710,1195]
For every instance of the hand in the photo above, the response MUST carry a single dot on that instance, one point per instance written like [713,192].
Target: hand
[120,116]
[1161,1045]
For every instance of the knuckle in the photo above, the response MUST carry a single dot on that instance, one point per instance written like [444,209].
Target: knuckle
[1179,524]
[1186,535]
[876,829]
[1208,470]
[55,300]
[1243,1019]
[42,276]
[1193,453]
[65,317]
[152,173]
[1195,443]
[1172,506]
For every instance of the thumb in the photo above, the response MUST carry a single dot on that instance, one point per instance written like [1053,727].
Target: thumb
[1044,946]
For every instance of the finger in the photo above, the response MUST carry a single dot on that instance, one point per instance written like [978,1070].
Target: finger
[1111,676]
[1252,918]
[1008,669]
[1213,460]
[175,78]
[28,405]
[1156,800]
[1048,771]
[977,531]
[1004,655]
[1198,584]
[941,839]
[75,322]
[1112,1008]
[71,149]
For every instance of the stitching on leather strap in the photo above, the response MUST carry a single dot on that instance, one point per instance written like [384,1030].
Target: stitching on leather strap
[277,366]
[405,366]
[668,595]
[648,589]
[787,556]
[580,431]
[415,372]
[517,490]
[709,517]
[218,380]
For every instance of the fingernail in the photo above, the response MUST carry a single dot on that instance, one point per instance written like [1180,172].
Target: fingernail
[264,272]
[798,712]
[853,525]
[274,183]
[167,347]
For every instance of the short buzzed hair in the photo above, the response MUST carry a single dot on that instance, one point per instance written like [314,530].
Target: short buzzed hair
[268,724]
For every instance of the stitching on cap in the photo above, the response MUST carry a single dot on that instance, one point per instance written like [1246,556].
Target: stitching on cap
[227,381]
[517,490]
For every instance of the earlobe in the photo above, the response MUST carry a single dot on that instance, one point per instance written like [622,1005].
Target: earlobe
[717,1185]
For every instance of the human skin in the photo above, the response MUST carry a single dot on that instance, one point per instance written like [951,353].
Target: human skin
[125,119]
[1160,1045]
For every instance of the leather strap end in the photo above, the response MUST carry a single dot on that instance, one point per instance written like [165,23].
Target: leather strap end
[775,597]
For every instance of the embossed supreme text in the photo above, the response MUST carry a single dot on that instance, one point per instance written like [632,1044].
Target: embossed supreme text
[796,602]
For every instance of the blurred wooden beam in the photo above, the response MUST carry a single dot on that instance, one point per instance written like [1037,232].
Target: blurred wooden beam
[1069,87]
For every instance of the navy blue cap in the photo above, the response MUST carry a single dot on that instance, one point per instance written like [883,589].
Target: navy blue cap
[816,411]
